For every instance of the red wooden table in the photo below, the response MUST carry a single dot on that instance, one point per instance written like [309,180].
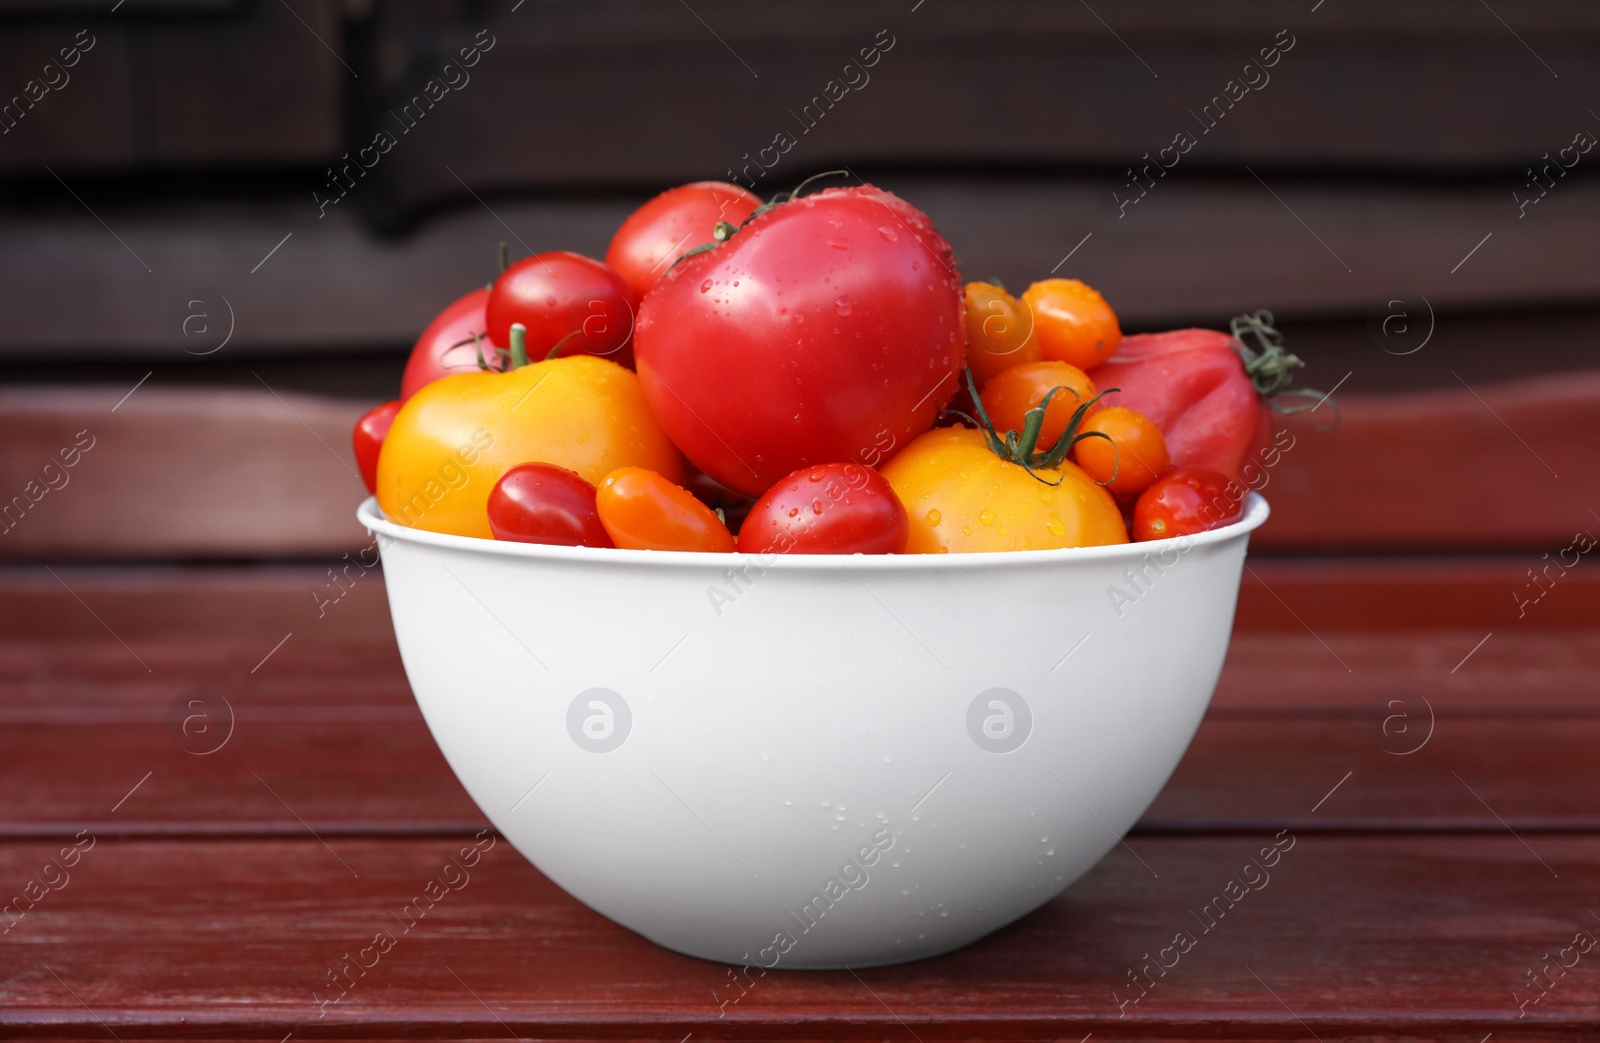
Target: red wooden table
[1438,787]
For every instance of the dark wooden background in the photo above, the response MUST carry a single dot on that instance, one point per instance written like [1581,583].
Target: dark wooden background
[171,289]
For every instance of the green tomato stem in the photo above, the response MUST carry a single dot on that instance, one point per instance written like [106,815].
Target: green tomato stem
[519,345]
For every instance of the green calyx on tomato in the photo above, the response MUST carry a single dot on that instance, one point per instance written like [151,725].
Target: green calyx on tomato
[725,230]
[519,347]
[1269,366]
[1022,447]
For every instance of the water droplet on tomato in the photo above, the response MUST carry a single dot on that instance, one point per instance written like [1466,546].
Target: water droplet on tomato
[815,476]
[837,245]
[888,233]
[933,517]
[816,506]
[986,517]
[843,304]
[1055,525]
[705,287]
[966,530]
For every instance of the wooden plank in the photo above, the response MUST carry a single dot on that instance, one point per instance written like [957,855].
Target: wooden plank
[364,777]
[1342,96]
[181,92]
[274,477]
[1395,473]
[1396,937]
[1197,250]
[326,733]
[177,472]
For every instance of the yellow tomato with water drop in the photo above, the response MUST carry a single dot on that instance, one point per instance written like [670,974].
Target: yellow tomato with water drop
[960,497]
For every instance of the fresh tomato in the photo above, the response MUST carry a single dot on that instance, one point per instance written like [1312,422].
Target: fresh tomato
[455,438]
[1008,397]
[827,509]
[450,344]
[1184,501]
[828,328]
[1072,323]
[1211,395]
[960,496]
[543,503]
[558,294]
[1130,456]
[642,510]
[999,332]
[672,224]
[368,438]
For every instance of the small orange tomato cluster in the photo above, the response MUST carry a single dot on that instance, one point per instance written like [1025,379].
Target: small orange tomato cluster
[1022,349]
[1038,351]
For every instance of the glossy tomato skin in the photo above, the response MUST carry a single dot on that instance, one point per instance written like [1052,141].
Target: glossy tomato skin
[1131,456]
[829,329]
[827,509]
[439,351]
[453,440]
[642,510]
[1072,323]
[368,438]
[1194,386]
[672,224]
[1184,501]
[543,503]
[999,332]
[960,497]
[556,293]
[1008,397]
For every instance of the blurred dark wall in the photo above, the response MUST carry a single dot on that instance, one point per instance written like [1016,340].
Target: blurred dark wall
[321,177]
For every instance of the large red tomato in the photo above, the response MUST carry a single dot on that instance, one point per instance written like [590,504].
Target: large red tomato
[560,293]
[440,350]
[830,328]
[672,224]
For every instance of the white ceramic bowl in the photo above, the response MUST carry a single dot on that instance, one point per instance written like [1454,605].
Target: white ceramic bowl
[812,761]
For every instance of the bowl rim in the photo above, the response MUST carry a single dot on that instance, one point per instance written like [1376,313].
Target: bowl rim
[371,518]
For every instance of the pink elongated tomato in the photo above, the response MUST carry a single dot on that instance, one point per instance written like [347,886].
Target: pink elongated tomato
[1194,386]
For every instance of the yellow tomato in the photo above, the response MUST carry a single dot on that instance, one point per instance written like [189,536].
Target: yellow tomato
[961,497]
[454,438]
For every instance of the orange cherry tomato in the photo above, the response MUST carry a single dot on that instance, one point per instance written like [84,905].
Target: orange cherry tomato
[1072,322]
[999,332]
[643,511]
[1008,397]
[1135,456]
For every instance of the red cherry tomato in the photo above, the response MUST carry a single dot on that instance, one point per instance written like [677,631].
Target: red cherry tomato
[447,345]
[644,511]
[672,224]
[827,509]
[828,328]
[543,503]
[1184,501]
[558,293]
[367,439]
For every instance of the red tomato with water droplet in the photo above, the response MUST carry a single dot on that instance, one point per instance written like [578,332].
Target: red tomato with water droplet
[836,508]
[830,328]
[543,503]
[1184,501]
[672,224]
